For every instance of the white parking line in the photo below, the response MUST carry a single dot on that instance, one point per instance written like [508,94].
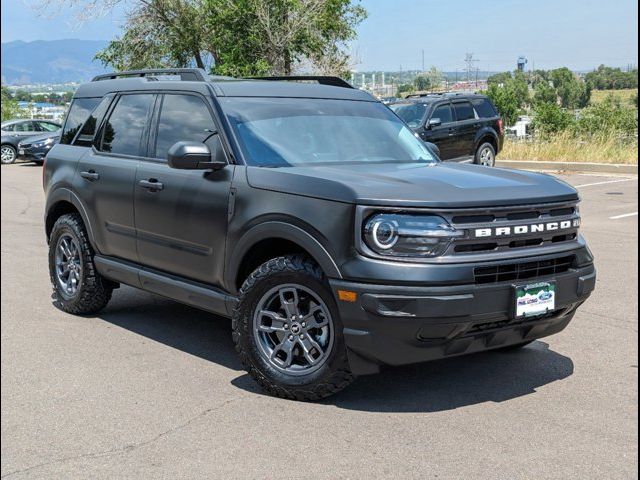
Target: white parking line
[605,183]
[626,215]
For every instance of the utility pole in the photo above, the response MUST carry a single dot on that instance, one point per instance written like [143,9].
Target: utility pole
[470,61]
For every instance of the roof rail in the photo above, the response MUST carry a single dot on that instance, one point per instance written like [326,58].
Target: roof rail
[322,80]
[185,74]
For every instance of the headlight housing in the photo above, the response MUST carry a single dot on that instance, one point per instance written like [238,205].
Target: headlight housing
[407,235]
[44,143]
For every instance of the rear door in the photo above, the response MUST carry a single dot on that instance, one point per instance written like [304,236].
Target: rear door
[466,126]
[181,224]
[106,174]
[443,135]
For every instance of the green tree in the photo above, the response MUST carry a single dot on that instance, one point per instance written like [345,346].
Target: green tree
[550,118]
[607,78]
[544,93]
[422,82]
[573,92]
[404,88]
[10,108]
[237,37]
[609,117]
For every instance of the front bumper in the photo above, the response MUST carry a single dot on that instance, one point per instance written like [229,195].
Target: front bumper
[397,325]
[32,153]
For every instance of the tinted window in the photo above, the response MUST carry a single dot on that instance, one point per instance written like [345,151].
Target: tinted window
[85,139]
[464,111]
[275,132]
[183,118]
[8,128]
[411,113]
[48,127]
[484,108]
[124,130]
[443,112]
[78,113]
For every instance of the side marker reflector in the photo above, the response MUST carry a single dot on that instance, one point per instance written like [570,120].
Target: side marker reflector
[347,296]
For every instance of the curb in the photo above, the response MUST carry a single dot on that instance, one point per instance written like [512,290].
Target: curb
[569,166]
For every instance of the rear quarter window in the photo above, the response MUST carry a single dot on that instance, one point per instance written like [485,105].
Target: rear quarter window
[464,111]
[78,114]
[484,108]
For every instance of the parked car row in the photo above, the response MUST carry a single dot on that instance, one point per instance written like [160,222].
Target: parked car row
[464,127]
[28,139]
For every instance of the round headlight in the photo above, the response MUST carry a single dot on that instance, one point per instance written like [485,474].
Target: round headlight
[384,233]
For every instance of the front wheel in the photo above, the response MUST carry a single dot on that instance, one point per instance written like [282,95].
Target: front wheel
[288,332]
[485,155]
[8,154]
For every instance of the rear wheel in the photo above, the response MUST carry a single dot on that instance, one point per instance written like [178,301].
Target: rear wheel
[288,332]
[8,154]
[486,155]
[78,288]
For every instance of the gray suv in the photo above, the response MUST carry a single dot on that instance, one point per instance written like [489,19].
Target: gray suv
[313,217]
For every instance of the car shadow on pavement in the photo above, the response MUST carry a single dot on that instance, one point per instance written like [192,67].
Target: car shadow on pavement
[451,383]
[428,387]
[190,330]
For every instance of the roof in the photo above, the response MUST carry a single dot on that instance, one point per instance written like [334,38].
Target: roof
[17,120]
[436,97]
[220,86]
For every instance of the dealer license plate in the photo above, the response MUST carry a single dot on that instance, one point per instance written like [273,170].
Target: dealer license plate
[534,300]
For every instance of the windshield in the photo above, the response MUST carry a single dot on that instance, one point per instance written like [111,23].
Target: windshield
[279,132]
[411,113]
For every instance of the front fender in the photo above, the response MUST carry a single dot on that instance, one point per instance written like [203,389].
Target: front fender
[285,231]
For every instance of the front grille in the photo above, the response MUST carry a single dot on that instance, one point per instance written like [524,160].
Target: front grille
[522,271]
[24,145]
[512,217]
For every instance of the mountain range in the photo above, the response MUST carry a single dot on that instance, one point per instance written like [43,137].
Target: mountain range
[53,61]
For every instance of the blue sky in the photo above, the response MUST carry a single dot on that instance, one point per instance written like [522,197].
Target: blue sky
[579,34]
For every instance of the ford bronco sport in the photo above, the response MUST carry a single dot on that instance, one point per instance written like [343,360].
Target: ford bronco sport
[311,215]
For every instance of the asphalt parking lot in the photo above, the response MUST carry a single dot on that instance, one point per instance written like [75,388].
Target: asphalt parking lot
[153,389]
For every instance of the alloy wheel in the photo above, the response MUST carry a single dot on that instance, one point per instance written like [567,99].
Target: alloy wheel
[487,158]
[68,263]
[7,154]
[293,329]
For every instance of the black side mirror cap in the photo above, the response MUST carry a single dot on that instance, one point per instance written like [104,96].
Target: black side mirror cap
[193,156]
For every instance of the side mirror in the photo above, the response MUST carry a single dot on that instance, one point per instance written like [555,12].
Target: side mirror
[434,122]
[196,156]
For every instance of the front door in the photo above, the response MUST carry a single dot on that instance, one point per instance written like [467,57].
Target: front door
[181,215]
[444,134]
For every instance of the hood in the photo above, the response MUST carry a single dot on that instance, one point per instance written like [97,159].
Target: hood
[41,137]
[444,185]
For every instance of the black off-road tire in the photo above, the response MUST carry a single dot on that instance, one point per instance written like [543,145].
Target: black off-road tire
[94,291]
[490,159]
[333,376]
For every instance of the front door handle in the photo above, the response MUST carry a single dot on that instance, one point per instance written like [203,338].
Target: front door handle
[151,184]
[91,175]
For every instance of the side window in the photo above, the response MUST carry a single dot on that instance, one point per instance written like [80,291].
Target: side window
[9,128]
[443,112]
[78,113]
[48,127]
[125,127]
[484,108]
[182,118]
[464,111]
[88,132]
[24,127]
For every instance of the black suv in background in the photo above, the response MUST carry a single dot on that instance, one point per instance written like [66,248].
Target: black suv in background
[313,217]
[463,126]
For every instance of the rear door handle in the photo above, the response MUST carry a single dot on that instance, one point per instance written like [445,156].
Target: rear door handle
[151,184]
[91,175]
